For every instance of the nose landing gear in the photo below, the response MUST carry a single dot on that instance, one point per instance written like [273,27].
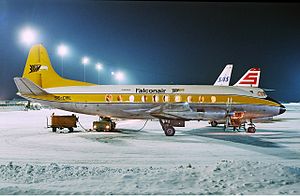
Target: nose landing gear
[251,128]
[214,123]
[238,124]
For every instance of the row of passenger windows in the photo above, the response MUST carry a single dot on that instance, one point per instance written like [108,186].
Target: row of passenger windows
[157,98]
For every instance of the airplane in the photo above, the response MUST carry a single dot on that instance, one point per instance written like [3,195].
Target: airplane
[172,105]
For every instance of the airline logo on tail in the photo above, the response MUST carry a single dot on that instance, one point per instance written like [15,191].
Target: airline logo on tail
[37,67]
[250,79]
[224,78]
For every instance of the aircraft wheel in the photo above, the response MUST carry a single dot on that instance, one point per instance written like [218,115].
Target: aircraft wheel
[251,130]
[169,131]
[214,123]
[113,126]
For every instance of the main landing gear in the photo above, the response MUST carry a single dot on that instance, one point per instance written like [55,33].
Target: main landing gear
[167,127]
[213,123]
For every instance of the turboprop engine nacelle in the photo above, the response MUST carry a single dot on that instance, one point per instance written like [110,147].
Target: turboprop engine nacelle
[214,114]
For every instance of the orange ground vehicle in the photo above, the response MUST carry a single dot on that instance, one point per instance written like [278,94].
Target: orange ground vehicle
[61,122]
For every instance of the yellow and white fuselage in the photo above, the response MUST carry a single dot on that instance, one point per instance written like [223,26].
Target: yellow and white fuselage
[42,84]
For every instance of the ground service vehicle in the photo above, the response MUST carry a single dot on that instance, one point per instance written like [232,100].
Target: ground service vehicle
[104,124]
[61,122]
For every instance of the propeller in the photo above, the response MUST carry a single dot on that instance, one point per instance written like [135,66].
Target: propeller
[228,110]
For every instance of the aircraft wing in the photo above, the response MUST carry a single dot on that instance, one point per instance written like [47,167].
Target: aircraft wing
[176,111]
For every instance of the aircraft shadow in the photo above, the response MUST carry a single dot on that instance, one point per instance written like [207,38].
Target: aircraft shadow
[261,141]
[235,137]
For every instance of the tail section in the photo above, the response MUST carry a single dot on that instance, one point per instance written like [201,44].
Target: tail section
[39,70]
[224,78]
[250,79]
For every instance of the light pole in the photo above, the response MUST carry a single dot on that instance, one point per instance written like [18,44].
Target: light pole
[85,61]
[62,51]
[99,67]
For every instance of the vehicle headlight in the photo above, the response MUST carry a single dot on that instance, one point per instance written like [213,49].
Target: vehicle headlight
[107,127]
[95,127]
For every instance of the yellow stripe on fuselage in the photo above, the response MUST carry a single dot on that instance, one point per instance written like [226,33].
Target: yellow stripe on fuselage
[149,98]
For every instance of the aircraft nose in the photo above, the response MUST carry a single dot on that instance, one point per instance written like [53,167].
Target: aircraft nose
[282,109]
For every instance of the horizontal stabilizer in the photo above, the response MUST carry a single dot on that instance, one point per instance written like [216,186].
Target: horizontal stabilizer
[27,87]
[269,90]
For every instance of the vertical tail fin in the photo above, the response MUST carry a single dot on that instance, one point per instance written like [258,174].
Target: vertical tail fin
[224,77]
[250,79]
[39,70]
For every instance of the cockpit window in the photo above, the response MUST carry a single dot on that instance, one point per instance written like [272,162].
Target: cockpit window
[261,93]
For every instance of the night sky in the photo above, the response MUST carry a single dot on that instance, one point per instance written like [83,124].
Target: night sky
[157,42]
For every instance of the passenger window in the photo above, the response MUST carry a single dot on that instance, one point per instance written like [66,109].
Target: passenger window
[166,98]
[131,98]
[155,98]
[119,98]
[144,98]
[201,99]
[213,99]
[189,99]
[177,98]
[108,98]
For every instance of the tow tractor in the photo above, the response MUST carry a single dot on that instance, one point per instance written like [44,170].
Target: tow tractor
[104,124]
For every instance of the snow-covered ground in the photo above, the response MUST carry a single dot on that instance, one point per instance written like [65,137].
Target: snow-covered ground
[199,159]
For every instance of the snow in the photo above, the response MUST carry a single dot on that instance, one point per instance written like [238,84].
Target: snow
[222,177]
[199,159]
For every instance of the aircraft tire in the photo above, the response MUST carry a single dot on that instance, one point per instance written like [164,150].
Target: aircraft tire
[71,130]
[251,130]
[169,131]
[214,123]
